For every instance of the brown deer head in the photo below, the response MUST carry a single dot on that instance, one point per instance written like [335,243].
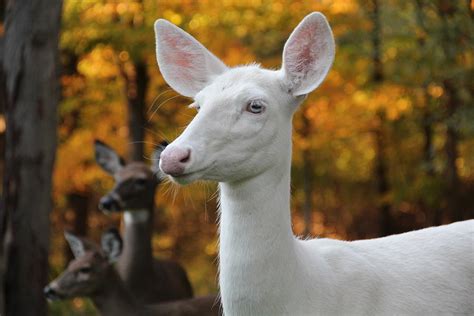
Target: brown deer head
[135,182]
[90,269]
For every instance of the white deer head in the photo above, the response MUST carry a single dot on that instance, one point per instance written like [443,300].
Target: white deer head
[241,137]
[244,115]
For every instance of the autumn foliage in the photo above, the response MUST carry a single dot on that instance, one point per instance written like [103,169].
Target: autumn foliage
[374,153]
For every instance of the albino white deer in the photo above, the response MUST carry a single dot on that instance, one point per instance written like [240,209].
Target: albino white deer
[241,137]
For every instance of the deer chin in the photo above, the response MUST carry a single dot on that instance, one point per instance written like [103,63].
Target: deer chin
[52,295]
[55,297]
[186,178]
[191,176]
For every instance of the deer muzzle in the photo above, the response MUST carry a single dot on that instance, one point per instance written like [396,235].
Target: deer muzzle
[51,294]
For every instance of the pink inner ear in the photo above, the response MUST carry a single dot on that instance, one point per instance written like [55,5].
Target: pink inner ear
[185,64]
[175,52]
[304,50]
[181,53]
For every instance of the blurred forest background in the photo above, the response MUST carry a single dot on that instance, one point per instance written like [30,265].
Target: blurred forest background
[385,145]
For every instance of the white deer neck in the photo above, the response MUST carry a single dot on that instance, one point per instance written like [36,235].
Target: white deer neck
[136,259]
[136,216]
[255,233]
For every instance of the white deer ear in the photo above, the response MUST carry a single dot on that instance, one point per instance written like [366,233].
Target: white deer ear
[308,55]
[186,65]
[107,158]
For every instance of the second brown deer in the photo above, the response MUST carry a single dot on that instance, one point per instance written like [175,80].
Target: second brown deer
[150,280]
[92,274]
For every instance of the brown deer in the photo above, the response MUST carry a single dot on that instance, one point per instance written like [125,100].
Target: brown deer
[149,279]
[92,274]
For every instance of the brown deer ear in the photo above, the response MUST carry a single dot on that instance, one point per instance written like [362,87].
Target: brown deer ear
[76,244]
[107,158]
[112,244]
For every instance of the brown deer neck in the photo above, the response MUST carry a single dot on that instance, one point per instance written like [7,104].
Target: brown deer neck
[136,261]
[113,298]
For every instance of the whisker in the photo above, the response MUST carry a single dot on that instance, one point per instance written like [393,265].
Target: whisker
[214,195]
[192,200]
[159,134]
[175,193]
[167,192]
[156,99]
[165,183]
[206,215]
[143,142]
[161,104]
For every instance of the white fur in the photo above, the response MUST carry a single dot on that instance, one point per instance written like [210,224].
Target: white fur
[264,269]
[186,65]
[135,217]
[320,48]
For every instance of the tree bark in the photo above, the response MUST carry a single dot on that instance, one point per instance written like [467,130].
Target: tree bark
[380,167]
[427,117]
[381,179]
[3,261]
[79,204]
[377,73]
[452,154]
[30,66]
[428,147]
[446,10]
[136,85]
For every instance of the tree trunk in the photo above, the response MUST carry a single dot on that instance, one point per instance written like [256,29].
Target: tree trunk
[427,119]
[446,10]
[452,154]
[380,167]
[377,72]
[3,218]
[428,147]
[79,203]
[30,66]
[381,179]
[136,85]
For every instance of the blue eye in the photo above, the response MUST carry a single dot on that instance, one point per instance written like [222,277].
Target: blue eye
[255,107]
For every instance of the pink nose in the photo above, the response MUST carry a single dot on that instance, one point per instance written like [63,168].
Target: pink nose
[173,160]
